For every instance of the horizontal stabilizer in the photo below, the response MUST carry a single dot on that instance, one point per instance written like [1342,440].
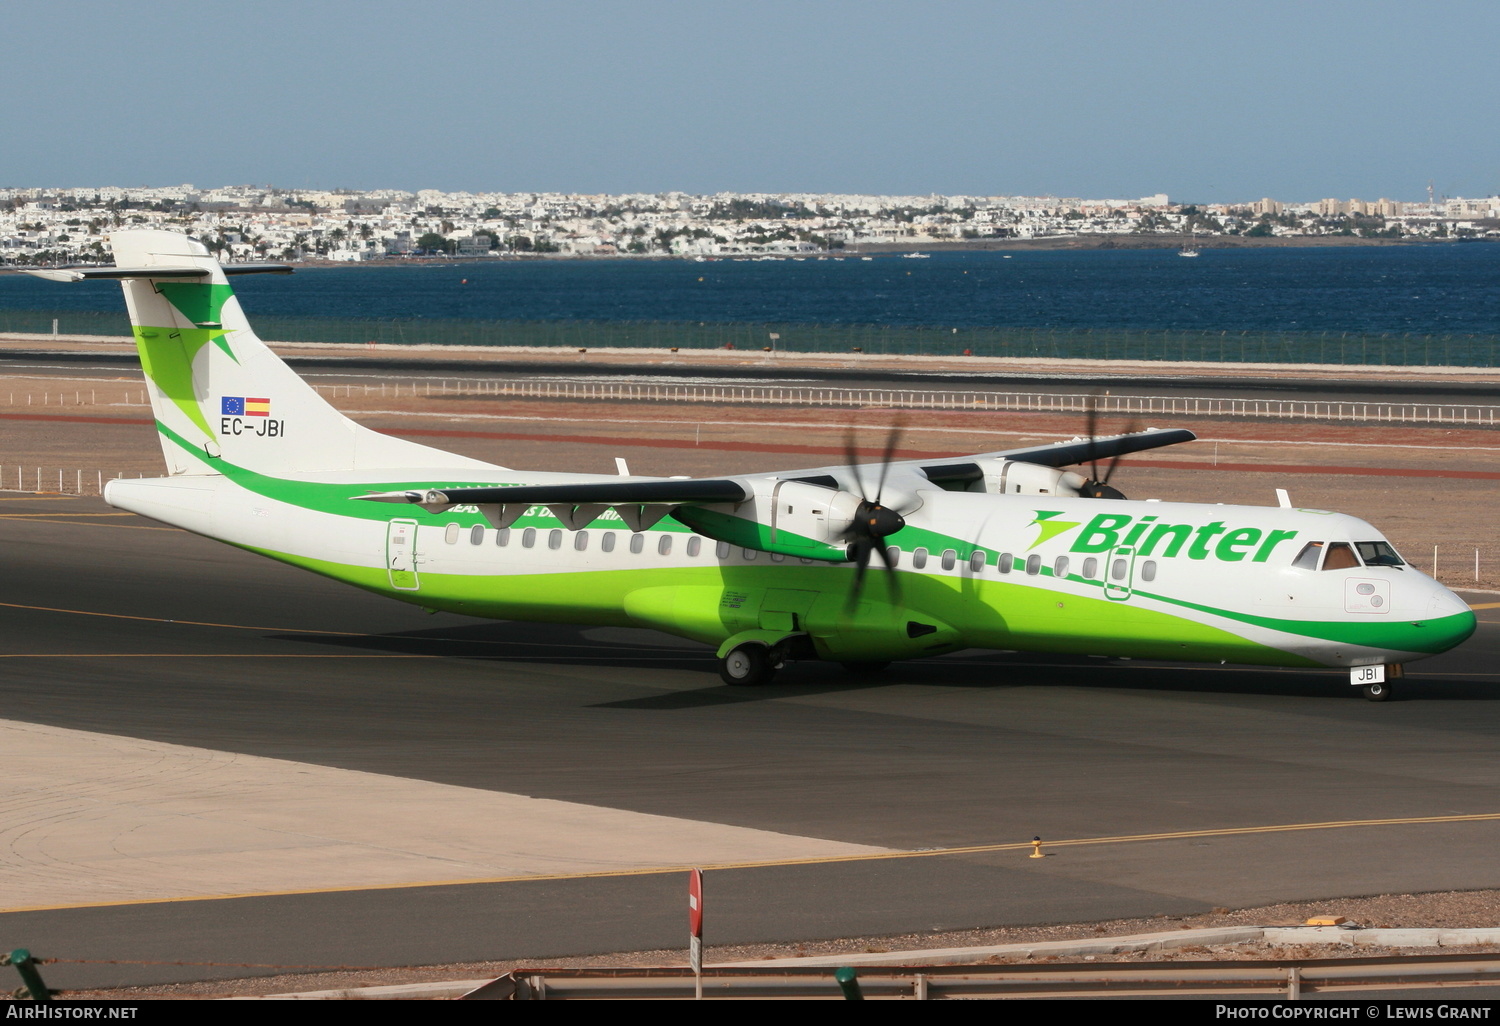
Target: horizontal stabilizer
[126,273]
[1085,450]
[609,493]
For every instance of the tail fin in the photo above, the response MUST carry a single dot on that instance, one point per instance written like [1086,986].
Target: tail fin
[218,392]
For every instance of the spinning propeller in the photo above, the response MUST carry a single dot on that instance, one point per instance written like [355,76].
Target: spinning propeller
[873,522]
[1097,487]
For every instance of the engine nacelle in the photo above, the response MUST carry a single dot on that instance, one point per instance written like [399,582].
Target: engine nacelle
[1013,477]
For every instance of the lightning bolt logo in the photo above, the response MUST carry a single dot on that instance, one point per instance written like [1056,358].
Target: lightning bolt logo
[1049,528]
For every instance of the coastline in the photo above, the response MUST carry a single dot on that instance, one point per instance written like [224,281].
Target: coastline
[1044,244]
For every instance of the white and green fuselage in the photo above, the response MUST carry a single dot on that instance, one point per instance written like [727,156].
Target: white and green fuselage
[258,460]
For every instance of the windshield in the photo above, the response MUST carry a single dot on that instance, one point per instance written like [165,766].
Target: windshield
[1378,553]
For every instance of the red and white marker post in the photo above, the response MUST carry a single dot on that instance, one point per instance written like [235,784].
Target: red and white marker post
[695,928]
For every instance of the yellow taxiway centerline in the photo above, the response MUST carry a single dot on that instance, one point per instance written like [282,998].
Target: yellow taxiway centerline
[1482,817]
[17,516]
[189,623]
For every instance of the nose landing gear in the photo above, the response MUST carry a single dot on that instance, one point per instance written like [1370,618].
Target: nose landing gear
[1374,682]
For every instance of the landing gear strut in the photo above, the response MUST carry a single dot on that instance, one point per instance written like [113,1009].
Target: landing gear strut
[749,665]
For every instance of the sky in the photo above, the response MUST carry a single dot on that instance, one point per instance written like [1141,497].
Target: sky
[1206,101]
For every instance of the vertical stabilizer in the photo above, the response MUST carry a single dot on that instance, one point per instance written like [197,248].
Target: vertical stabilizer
[218,392]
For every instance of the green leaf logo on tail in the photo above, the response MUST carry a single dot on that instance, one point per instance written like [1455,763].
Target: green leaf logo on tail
[1049,528]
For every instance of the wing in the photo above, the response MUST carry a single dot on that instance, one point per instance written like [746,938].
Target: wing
[1060,454]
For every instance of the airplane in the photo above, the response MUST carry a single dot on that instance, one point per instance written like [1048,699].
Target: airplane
[1000,550]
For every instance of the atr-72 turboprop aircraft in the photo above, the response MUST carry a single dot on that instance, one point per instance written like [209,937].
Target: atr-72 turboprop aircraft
[1003,550]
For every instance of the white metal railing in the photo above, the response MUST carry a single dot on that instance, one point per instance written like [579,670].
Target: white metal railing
[1031,402]
[1447,414]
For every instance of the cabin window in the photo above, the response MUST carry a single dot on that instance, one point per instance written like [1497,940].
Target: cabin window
[502,536]
[607,542]
[581,541]
[749,554]
[1340,556]
[1060,566]
[893,555]
[664,545]
[950,559]
[637,543]
[1378,553]
[476,534]
[554,539]
[695,545]
[804,562]
[1033,564]
[1118,568]
[1005,562]
[777,557]
[1148,570]
[976,561]
[918,558]
[1091,568]
[528,538]
[721,550]
[450,534]
[1307,559]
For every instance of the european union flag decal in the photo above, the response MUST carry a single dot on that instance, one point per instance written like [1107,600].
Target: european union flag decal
[233,406]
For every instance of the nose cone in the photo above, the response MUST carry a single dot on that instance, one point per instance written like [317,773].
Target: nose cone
[1448,617]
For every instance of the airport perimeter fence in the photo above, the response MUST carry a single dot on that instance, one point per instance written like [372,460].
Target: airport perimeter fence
[885,340]
[1446,414]
[907,399]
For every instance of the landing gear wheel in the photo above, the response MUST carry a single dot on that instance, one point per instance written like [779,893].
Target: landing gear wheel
[748,665]
[865,669]
[1378,692]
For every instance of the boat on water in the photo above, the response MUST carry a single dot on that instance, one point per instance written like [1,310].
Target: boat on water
[916,256]
[1191,247]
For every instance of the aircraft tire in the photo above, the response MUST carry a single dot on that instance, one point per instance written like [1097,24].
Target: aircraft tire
[1380,692]
[747,665]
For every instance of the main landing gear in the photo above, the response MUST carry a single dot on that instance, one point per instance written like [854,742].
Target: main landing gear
[750,665]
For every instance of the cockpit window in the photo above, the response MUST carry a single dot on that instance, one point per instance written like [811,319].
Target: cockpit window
[1378,553]
[1307,559]
[1340,557]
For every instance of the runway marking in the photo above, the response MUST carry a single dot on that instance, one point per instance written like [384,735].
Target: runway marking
[74,523]
[978,849]
[342,634]
[16,516]
[1486,605]
[190,623]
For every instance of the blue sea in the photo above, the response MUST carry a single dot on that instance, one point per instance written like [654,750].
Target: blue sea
[1439,289]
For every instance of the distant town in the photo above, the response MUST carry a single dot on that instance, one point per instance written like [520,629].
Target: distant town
[247,223]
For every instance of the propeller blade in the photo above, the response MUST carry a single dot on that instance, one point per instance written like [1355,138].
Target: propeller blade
[872,521]
[1109,471]
[851,460]
[898,425]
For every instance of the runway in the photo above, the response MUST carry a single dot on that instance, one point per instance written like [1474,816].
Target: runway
[835,806]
